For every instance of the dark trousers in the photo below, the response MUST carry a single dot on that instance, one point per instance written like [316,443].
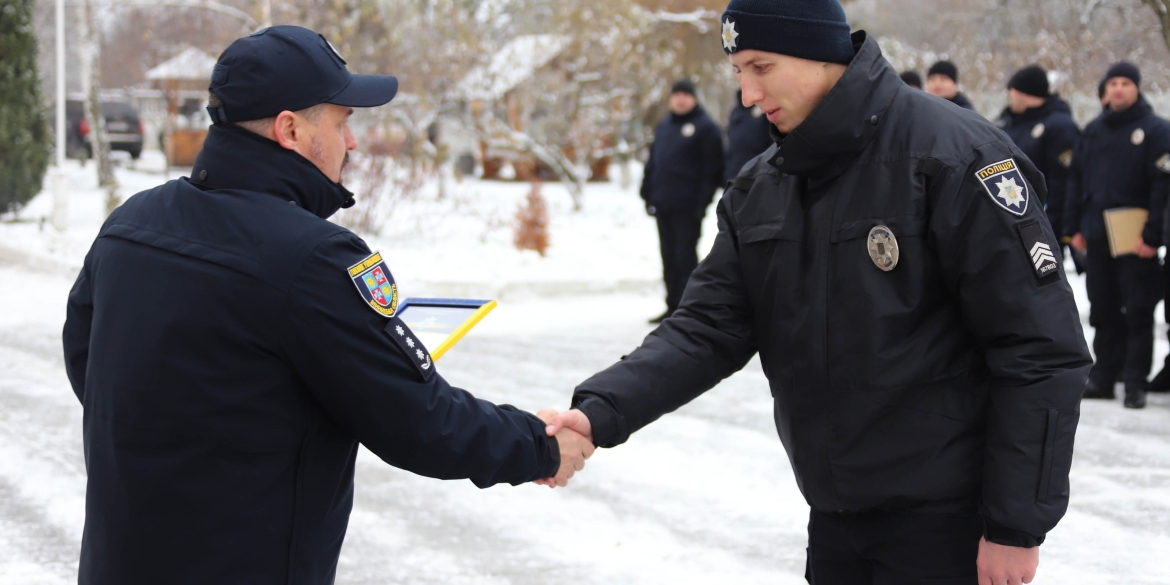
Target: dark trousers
[1123,293]
[678,237]
[879,548]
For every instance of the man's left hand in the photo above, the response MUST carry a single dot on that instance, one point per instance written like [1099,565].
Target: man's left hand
[1144,251]
[1006,565]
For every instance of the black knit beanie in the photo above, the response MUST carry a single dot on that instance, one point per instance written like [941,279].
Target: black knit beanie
[809,29]
[944,68]
[1031,80]
[912,79]
[683,86]
[1127,70]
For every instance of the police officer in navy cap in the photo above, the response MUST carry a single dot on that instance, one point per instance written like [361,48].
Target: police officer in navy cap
[1121,162]
[231,348]
[1041,124]
[684,171]
[889,260]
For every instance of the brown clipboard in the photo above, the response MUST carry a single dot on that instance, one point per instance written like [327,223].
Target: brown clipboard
[1124,227]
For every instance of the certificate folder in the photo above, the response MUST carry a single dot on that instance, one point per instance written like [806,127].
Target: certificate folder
[440,323]
[1124,226]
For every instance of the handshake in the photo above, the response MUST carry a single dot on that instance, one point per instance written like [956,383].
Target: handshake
[574,436]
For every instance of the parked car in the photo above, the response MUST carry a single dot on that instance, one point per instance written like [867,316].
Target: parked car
[123,128]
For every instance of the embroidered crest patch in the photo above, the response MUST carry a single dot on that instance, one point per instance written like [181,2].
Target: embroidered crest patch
[414,349]
[1039,251]
[1065,158]
[1163,163]
[1006,186]
[375,284]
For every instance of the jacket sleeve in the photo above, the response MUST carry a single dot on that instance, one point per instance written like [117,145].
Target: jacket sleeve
[1159,184]
[714,163]
[367,383]
[1060,147]
[75,337]
[707,339]
[1030,332]
[647,172]
[1074,196]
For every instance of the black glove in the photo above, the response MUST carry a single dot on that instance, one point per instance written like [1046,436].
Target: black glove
[650,209]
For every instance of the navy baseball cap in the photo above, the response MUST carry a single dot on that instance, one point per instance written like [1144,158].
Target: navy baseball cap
[289,68]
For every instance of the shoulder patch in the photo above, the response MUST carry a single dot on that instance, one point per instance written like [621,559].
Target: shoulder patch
[1039,251]
[375,284]
[1065,158]
[414,349]
[1006,186]
[1163,163]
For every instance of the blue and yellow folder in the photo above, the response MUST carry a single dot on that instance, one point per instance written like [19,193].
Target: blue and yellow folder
[441,323]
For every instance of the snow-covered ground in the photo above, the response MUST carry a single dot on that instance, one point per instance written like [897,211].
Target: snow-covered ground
[705,495]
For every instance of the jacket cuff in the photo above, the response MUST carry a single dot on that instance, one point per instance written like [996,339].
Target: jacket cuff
[602,420]
[1152,235]
[1009,537]
[554,451]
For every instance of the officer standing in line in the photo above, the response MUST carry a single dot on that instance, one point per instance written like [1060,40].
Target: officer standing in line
[747,136]
[231,348]
[942,80]
[912,79]
[684,171]
[1120,163]
[889,260]
[1041,124]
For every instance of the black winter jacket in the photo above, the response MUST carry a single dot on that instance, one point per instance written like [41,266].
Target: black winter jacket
[748,135]
[1048,136]
[950,383]
[228,368]
[685,167]
[1121,161]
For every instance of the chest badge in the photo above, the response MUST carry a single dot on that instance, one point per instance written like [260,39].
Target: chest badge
[1163,163]
[375,284]
[1006,186]
[883,247]
[688,130]
[1038,131]
[1138,137]
[757,112]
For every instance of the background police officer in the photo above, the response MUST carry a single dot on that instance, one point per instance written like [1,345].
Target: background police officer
[747,136]
[231,348]
[1041,125]
[1116,165]
[942,80]
[683,172]
[889,261]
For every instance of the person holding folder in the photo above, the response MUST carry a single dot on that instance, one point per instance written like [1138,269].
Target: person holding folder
[1119,172]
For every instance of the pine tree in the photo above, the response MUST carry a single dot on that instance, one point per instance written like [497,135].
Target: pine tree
[24,129]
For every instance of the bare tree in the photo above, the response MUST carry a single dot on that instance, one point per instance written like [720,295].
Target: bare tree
[1162,11]
[91,79]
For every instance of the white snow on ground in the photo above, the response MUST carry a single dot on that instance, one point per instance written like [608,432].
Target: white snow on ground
[705,495]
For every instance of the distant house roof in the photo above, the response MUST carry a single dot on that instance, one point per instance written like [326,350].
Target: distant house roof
[512,65]
[190,65]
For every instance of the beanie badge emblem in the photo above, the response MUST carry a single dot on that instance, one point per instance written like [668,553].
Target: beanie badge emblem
[729,36]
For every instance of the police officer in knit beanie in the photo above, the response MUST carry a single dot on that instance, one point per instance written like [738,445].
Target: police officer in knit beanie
[1031,80]
[942,80]
[912,78]
[1126,70]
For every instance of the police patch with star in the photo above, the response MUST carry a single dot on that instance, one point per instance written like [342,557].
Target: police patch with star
[415,351]
[375,284]
[1006,186]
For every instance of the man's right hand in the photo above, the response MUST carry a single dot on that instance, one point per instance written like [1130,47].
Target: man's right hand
[1078,243]
[574,446]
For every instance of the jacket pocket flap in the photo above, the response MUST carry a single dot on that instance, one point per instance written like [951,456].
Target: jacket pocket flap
[767,231]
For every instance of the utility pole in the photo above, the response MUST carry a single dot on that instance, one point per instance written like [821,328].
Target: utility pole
[59,217]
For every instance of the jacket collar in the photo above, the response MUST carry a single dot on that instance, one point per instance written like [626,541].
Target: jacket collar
[1053,104]
[846,121]
[691,115]
[234,158]
[1138,110]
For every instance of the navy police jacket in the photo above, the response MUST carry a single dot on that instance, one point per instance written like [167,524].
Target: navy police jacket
[1048,136]
[1122,161]
[748,135]
[230,356]
[891,265]
[686,164]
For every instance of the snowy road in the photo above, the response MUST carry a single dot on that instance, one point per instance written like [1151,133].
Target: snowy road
[703,496]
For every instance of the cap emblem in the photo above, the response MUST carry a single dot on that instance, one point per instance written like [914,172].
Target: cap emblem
[729,35]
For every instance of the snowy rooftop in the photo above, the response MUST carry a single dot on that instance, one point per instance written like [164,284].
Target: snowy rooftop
[511,65]
[192,64]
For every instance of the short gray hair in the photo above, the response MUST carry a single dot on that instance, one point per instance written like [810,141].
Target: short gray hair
[261,126]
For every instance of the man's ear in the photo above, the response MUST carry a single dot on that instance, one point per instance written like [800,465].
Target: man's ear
[285,129]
